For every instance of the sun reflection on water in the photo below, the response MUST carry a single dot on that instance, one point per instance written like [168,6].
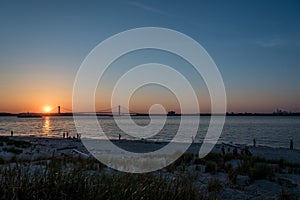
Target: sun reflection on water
[47,126]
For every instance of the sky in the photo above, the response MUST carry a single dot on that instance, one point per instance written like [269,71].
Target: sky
[255,44]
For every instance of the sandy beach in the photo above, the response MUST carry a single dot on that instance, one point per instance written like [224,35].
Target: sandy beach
[30,149]
[47,147]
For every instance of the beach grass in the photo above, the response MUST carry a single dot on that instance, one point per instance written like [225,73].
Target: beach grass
[77,178]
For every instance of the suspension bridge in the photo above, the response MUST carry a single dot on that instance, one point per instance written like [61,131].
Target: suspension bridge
[117,110]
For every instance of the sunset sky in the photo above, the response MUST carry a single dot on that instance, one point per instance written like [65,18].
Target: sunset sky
[255,44]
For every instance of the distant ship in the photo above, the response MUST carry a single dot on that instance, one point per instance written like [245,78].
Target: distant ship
[29,115]
[171,113]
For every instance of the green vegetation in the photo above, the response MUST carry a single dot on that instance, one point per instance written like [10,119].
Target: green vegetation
[214,185]
[256,168]
[68,177]
[261,171]
[286,195]
[181,163]
[211,167]
[75,178]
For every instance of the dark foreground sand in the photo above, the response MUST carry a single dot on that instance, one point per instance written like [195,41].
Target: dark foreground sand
[45,148]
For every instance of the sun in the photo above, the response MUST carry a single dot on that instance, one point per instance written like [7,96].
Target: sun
[47,108]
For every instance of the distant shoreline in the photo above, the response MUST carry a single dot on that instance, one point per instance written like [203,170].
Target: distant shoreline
[4,114]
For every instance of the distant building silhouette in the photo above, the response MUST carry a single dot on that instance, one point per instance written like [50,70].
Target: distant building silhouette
[281,112]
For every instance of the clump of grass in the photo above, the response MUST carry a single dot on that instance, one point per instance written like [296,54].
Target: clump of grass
[219,160]
[211,167]
[255,171]
[286,195]
[187,158]
[12,150]
[70,178]
[198,161]
[214,157]
[173,167]
[228,167]
[181,163]
[286,183]
[221,166]
[228,157]
[147,186]
[281,164]
[232,176]
[261,171]
[214,185]
[245,167]
[4,139]
[13,159]
[192,175]
[255,159]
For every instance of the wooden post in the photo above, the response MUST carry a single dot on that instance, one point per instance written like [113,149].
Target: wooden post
[291,144]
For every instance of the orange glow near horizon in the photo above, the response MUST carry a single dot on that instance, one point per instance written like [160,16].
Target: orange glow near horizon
[47,109]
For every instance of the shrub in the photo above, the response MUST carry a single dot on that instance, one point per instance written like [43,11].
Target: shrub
[213,157]
[245,167]
[187,158]
[173,166]
[198,161]
[214,185]
[232,176]
[281,164]
[286,195]
[286,183]
[220,165]
[228,167]
[210,167]
[2,161]
[228,157]
[261,171]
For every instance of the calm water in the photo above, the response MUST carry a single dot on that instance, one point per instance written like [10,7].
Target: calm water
[268,130]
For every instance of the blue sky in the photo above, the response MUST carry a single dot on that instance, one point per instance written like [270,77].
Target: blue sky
[255,44]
